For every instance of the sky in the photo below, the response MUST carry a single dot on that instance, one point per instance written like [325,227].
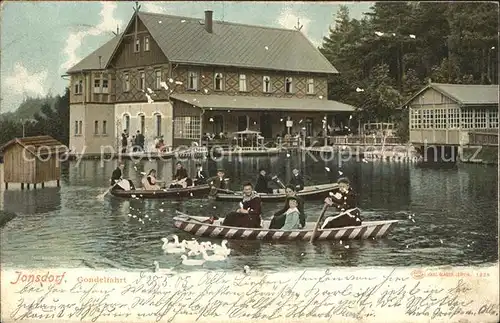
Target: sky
[40,40]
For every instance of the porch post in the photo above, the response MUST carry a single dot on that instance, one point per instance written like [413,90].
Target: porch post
[201,125]
[325,128]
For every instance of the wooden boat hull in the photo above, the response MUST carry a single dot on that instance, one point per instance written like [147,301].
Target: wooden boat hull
[368,230]
[194,191]
[309,192]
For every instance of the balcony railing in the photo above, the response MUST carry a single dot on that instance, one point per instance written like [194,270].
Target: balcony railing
[483,138]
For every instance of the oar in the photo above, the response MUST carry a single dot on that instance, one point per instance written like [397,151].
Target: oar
[277,180]
[224,190]
[313,236]
[101,196]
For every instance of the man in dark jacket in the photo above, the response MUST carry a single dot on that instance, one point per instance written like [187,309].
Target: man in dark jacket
[344,200]
[180,177]
[279,217]
[218,183]
[262,183]
[117,176]
[201,176]
[249,211]
[124,142]
[297,180]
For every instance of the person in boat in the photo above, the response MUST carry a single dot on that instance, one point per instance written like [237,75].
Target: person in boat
[218,183]
[149,182]
[181,178]
[297,180]
[201,176]
[248,213]
[262,184]
[344,200]
[117,178]
[292,215]
[279,218]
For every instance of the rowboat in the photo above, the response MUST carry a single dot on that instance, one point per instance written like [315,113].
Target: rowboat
[194,225]
[309,192]
[192,191]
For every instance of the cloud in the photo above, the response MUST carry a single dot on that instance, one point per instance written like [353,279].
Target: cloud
[108,23]
[154,8]
[22,82]
[288,19]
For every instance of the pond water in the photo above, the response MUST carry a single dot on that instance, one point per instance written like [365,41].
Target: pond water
[455,211]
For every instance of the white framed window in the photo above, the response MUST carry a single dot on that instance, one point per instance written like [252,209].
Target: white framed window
[493,119]
[187,127]
[126,82]
[137,45]
[310,86]
[76,128]
[480,119]
[427,119]
[105,86]
[97,85]
[415,119]
[146,43]
[77,87]
[142,123]
[266,84]
[288,85]
[80,127]
[453,118]
[80,86]
[192,81]
[466,118]
[158,124]
[158,79]
[219,82]
[243,83]
[104,127]
[440,117]
[142,80]
[126,123]
[96,127]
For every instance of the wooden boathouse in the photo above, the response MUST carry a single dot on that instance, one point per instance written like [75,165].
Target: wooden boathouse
[32,160]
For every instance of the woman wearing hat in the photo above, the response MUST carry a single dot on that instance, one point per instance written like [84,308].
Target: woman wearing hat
[344,200]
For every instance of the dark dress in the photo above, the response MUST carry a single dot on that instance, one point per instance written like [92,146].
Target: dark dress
[262,184]
[219,183]
[279,217]
[250,220]
[117,176]
[346,202]
[201,178]
[297,182]
[180,174]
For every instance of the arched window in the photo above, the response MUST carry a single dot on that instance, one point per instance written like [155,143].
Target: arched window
[158,124]
[218,80]
[288,85]
[266,84]
[142,123]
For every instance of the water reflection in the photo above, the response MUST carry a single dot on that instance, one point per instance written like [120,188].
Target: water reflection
[34,201]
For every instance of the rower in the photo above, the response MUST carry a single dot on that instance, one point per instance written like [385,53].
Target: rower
[248,213]
[201,176]
[117,177]
[297,180]
[279,217]
[344,200]
[262,182]
[149,182]
[181,178]
[218,183]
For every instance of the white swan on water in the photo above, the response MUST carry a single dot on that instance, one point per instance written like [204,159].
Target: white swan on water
[175,247]
[213,257]
[161,270]
[192,262]
[222,250]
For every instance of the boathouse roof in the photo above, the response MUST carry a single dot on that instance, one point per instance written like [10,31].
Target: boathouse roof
[37,145]
[464,94]
[185,40]
[226,102]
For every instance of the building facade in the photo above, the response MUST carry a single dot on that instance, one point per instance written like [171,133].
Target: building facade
[445,114]
[180,77]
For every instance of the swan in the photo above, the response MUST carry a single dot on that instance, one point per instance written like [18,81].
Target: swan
[161,270]
[222,250]
[175,247]
[207,245]
[191,245]
[191,262]
[213,257]
[246,269]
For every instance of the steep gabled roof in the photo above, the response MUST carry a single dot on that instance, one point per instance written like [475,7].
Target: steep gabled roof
[38,145]
[91,62]
[185,40]
[463,94]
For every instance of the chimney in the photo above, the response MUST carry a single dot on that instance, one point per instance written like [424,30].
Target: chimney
[208,21]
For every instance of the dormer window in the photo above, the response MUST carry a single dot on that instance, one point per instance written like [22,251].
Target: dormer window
[266,84]
[137,46]
[218,82]
[288,85]
[310,86]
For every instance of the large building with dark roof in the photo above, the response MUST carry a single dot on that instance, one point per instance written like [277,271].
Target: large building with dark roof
[180,77]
